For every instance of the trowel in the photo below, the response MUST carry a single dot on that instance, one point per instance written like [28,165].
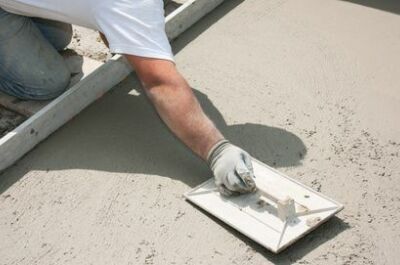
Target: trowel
[281,211]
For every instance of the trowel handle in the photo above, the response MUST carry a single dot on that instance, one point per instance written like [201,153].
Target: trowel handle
[284,204]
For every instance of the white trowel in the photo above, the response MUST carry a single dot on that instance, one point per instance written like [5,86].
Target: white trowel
[280,212]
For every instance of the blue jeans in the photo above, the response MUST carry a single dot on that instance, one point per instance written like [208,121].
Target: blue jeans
[30,65]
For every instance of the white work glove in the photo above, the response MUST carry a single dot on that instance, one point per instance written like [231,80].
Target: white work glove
[232,168]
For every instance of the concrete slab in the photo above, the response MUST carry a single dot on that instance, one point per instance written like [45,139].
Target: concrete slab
[309,87]
[62,109]
[9,120]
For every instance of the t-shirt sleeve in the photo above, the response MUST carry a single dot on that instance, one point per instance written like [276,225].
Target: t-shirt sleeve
[134,27]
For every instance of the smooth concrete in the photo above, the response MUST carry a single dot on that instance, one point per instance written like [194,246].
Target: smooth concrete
[309,87]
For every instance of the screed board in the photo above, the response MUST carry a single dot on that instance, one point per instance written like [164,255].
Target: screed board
[62,109]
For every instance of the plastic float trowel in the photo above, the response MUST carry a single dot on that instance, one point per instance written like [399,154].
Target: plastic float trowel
[280,212]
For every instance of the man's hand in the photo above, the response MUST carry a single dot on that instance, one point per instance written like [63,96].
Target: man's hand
[232,168]
[179,109]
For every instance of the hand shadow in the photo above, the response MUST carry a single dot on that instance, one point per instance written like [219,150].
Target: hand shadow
[122,133]
[273,146]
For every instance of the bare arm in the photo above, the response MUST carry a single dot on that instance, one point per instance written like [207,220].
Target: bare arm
[181,112]
[176,104]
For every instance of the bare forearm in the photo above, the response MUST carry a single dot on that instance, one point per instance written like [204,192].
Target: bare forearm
[176,104]
[180,110]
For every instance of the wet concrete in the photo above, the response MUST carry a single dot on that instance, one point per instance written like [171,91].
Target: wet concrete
[309,87]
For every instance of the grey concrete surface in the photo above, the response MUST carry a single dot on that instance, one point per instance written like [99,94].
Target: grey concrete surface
[309,87]
[9,120]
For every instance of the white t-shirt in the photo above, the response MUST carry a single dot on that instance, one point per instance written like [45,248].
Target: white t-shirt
[135,27]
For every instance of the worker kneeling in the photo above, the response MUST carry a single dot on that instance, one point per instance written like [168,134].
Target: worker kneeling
[33,31]
[30,65]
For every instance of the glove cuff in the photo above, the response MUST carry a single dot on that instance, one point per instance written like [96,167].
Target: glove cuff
[215,150]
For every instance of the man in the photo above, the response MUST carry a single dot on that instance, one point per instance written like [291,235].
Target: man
[33,31]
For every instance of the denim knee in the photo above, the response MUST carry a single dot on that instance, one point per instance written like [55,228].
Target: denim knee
[57,33]
[47,86]
[30,67]
[9,24]
[51,85]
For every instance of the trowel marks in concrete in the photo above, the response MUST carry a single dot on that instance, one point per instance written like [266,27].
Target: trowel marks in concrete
[107,187]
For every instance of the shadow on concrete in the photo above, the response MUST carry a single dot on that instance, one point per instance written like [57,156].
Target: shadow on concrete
[198,28]
[322,234]
[170,6]
[178,44]
[392,6]
[123,133]
[74,63]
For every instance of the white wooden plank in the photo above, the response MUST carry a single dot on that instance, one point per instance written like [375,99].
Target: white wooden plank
[80,66]
[16,143]
[188,14]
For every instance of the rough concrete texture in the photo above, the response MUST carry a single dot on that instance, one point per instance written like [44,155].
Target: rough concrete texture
[309,87]
[9,120]
[88,43]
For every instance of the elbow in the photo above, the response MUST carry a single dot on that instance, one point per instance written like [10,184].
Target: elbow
[165,86]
